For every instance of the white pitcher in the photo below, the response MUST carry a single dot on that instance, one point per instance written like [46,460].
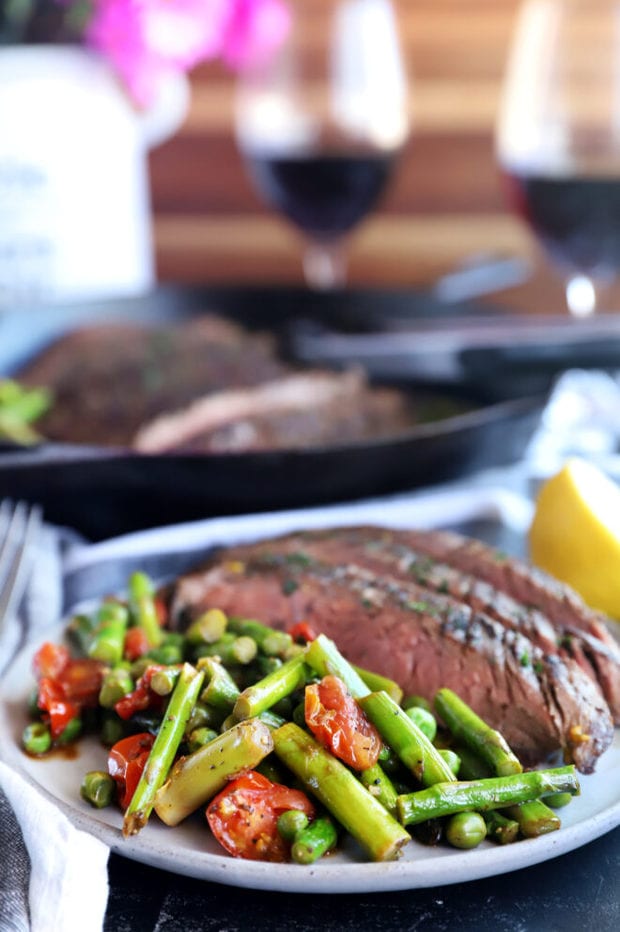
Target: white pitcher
[75,212]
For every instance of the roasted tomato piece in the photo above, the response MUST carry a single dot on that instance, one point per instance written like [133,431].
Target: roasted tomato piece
[243,817]
[81,680]
[302,631]
[50,660]
[126,761]
[143,697]
[136,644]
[57,708]
[338,722]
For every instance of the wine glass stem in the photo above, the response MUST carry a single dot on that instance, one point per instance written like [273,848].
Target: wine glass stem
[325,265]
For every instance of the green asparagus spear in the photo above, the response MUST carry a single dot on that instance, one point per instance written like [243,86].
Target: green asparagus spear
[376,683]
[116,684]
[466,726]
[291,823]
[264,694]
[313,842]
[220,690]
[19,408]
[500,828]
[230,649]
[324,658]
[142,607]
[165,746]
[479,795]
[271,642]
[108,638]
[341,793]
[98,788]
[379,785]
[196,778]
[207,628]
[411,745]
[534,818]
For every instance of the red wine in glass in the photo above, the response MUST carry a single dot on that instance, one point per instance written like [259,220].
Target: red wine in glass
[576,217]
[321,123]
[325,194]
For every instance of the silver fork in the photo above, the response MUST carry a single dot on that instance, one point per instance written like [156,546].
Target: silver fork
[20,525]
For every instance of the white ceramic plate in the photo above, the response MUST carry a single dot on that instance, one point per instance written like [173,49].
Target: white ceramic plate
[189,849]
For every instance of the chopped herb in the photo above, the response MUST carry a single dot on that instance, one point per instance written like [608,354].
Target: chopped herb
[538,667]
[289,586]
[427,607]
[298,559]
[443,587]
[524,659]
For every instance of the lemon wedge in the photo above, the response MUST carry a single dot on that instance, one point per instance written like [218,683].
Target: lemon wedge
[575,533]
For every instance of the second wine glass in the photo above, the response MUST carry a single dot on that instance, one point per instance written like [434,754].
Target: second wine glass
[558,139]
[320,124]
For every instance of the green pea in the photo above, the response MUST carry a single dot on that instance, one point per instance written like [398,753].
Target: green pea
[36,738]
[466,830]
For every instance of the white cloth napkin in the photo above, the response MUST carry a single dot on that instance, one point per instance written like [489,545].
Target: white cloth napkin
[54,877]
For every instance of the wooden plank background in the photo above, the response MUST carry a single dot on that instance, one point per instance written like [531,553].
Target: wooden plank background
[444,205]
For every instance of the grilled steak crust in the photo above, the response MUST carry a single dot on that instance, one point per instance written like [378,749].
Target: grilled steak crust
[294,411]
[390,552]
[528,584]
[108,380]
[422,639]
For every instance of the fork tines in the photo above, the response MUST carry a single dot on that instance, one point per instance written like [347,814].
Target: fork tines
[20,524]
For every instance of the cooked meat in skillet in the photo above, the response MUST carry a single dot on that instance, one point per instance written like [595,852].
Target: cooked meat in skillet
[206,385]
[293,411]
[108,380]
[542,701]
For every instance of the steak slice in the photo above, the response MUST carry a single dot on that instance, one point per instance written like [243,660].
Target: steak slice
[528,584]
[389,552]
[295,411]
[421,639]
[107,380]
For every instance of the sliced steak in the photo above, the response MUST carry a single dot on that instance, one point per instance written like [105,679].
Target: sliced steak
[107,380]
[421,639]
[295,411]
[390,552]
[528,584]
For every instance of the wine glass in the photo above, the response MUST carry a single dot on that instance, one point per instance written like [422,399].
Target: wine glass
[558,139]
[321,122]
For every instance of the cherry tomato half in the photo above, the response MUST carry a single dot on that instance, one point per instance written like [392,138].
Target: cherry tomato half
[338,722]
[50,660]
[302,631]
[81,680]
[136,643]
[57,708]
[142,697]
[243,817]
[126,761]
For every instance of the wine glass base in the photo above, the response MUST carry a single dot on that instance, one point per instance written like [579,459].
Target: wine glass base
[581,296]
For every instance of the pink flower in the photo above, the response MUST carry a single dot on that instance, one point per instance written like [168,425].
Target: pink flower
[146,39]
[255,29]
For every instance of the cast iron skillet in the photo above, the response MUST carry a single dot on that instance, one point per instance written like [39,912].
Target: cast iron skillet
[104,492]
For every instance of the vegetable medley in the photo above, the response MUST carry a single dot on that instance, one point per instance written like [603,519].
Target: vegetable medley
[281,742]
